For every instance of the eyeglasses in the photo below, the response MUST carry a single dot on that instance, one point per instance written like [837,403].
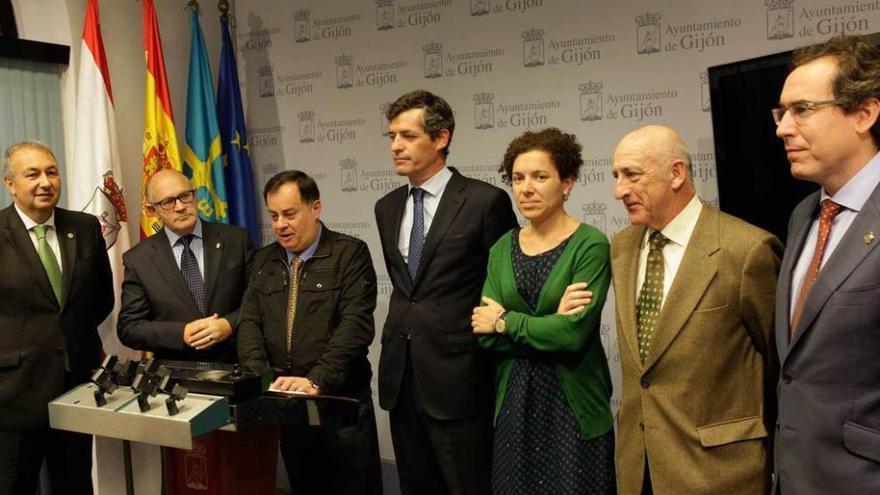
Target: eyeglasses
[800,110]
[186,197]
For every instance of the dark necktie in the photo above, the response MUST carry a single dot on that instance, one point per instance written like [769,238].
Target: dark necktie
[417,234]
[49,261]
[828,211]
[651,296]
[189,266]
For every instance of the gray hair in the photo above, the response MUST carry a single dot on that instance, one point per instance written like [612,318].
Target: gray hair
[30,143]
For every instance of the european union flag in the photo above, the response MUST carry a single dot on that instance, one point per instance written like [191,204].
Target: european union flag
[239,173]
[203,156]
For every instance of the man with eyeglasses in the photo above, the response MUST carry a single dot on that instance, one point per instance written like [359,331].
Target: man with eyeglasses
[828,295]
[183,286]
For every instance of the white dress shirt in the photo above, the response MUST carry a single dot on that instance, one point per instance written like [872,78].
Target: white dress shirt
[679,232]
[434,188]
[51,234]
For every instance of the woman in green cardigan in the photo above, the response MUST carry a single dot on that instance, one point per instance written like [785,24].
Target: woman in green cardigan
[553,423]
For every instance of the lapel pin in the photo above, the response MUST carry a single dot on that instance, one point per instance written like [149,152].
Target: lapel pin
[218,245]
[70,235]
[869,237]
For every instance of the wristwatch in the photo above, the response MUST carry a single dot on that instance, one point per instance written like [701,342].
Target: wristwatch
[500,324]
[315,386]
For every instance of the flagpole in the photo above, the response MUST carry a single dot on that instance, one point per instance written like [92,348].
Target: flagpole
[238,170]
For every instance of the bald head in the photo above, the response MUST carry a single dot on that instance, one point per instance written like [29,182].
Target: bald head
[652,172]
[170,197]
[162,178]
[658,142]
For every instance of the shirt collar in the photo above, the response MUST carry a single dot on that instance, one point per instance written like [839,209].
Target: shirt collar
[435,185]
[679,229]
[858,189]
[173,237]
[29,224]
[310,251]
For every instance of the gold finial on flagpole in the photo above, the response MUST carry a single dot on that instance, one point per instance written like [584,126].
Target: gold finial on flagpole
[193,4]
[223,6]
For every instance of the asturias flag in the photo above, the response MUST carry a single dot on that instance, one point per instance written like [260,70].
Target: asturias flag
[239,174]
[160,140]
[203,155]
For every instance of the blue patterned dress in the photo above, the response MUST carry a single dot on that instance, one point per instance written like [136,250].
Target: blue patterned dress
[538,446]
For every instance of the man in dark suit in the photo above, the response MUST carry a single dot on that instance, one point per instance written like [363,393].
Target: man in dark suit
[56,287]
[183,286]
[436,233]
[827,312]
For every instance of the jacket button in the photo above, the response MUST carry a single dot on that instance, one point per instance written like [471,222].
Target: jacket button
[641,426]
[786,378]
[645,384]
[413,301]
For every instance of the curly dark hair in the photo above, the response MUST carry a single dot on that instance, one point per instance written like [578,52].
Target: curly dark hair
[563,148]
[858,70]
[438,114]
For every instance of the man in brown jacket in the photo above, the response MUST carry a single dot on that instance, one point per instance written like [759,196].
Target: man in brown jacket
[694,290]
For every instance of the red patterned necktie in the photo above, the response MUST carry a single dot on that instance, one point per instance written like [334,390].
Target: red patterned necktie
[829,210]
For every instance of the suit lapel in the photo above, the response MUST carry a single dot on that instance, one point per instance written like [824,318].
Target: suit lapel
[167,267]
[67,241]
[797,238]
[626,267]
[20,240]
[212,249]
[391,219]
[450,204]
[848,254]
[695,272]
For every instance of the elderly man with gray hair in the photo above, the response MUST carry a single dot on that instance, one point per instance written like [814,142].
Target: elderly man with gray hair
[694,290]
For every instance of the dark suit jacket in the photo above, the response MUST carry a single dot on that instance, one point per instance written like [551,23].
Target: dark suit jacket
[433,313]
[156,303]
[34,330]
[828,434]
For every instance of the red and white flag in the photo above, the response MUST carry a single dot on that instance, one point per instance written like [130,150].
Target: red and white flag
[93,176]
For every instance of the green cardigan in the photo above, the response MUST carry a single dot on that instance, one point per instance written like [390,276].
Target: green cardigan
[572,342]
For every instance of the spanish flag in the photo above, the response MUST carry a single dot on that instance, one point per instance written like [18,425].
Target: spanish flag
[160,140]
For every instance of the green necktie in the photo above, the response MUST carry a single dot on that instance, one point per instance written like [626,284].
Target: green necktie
[50,262]
[651,296]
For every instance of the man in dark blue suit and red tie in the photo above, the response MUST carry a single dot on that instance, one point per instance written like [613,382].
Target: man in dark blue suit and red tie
[827,312]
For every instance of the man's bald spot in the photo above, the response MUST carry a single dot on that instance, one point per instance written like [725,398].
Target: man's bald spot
[660,144]
[658,141]
[160,176]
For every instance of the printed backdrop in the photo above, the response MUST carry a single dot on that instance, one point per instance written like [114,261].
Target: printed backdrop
[318,75]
